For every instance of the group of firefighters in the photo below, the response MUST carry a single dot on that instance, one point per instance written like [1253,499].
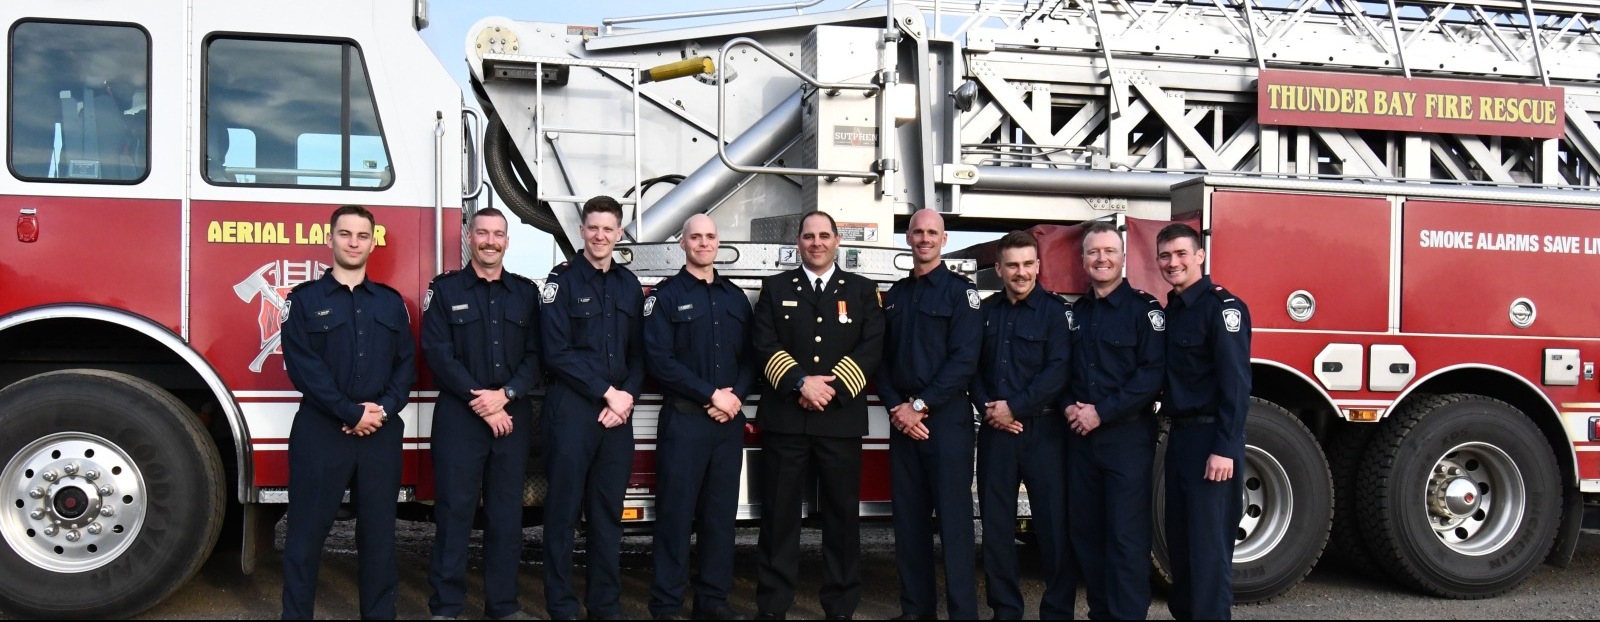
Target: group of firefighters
[1065,396]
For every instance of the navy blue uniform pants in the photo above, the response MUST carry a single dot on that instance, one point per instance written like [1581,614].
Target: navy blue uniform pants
[1037,458]
[1109,491]
[787,462]
[323,461]
[1202,522]
[588,466]
[698,462]
[934,478]
[469,462]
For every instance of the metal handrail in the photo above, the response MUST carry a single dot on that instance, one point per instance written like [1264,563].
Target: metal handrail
[797,6]
[722,113]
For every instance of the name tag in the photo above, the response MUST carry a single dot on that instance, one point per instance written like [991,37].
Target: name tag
[791,303]
[686,307]
[459,307]
[324,312]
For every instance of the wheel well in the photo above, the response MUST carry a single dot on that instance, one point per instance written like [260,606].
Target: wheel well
[1291,391]
[1506,387]
[44,345]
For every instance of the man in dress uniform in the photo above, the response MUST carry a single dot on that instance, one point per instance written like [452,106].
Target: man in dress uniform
[348,349]
[1021,372]
[1207,399]
[818,336]
[480,332]
[1118,366]
[933,337]
[697,346]
[591,333]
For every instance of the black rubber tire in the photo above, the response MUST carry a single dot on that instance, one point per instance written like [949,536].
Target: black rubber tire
[1273,432]
[1347,545]
[1395,517]
[184,492]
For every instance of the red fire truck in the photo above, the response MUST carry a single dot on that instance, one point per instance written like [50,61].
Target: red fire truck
[1404,192]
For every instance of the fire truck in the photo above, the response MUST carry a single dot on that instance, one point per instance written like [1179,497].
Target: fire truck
[1405,192]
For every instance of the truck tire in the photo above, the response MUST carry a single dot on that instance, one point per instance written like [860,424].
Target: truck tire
[113,495]
[1288,507]
[1347,544]
[1463,497]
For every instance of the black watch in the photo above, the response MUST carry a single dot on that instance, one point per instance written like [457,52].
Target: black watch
[511,394]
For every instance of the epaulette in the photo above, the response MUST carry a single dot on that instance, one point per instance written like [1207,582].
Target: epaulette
[521,278]
[385,286]
[442,275]
[303,284]
[1223,294]
[1148,297]
[558,269]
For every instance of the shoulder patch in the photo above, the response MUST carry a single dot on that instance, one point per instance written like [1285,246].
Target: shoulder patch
[548,294]
[1232,320]
[427,299]
[972,298]
[1072,320]
[283,318]
[1158,321]
[649,305]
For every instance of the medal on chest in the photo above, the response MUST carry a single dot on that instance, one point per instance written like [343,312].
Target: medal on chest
[844,313]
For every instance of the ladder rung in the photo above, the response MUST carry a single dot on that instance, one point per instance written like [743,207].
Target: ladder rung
[580,130]
[567,198]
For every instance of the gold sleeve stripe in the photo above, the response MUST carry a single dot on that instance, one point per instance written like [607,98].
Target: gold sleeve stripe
[851,375]
[778,365]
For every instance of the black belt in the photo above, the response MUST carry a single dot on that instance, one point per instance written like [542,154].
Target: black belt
[687,406]
[1185,422]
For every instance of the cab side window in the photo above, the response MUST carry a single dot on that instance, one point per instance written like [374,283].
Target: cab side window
[291,113]
[78,109]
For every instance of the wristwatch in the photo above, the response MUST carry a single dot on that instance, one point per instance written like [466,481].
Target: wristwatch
[511,394]
[918,405]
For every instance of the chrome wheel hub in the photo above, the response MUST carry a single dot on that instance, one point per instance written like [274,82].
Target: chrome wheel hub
[76,502]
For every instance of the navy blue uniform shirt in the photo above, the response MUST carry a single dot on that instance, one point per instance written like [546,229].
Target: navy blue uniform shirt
[1208,361]
[481,334]
[1026,348]
[590,328]
[344,346]
[1118,353]
[697,337]
[932,340]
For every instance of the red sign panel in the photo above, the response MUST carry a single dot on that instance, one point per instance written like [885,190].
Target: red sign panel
[1322,99]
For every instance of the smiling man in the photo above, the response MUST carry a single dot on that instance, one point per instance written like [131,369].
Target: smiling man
[697,346]
[1207,400]
[931,352]
[1021,371]
[593,348]
[1118,365]
[818,337]
[480,332]
[348,350]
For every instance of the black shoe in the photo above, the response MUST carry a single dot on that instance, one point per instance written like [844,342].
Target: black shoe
[668,616]
[768,615]
[912,616]
[720,613]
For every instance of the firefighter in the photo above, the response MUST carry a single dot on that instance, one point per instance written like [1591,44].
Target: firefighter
[697,346]
[480,332]
[932,341]
[591,332]
[818,335]
[348,350]
[1207,398]
[1118,361]
[1021,372]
